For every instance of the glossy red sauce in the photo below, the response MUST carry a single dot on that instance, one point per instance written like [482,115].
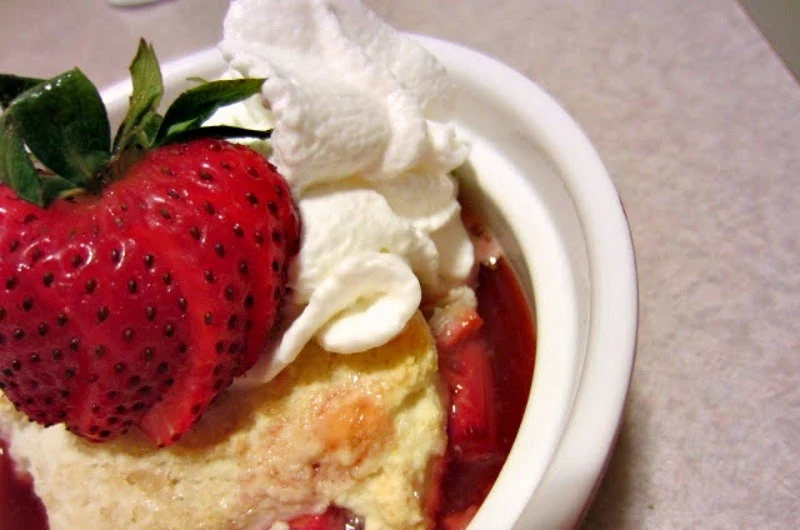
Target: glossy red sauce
[508,335]
[508,331]
[20,509]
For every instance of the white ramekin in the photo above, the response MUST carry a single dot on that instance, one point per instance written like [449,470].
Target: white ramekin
[542,187]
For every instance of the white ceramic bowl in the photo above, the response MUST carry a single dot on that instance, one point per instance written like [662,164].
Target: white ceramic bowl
[545,192]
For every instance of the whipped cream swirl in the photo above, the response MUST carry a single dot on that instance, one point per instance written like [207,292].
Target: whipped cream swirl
[360,115]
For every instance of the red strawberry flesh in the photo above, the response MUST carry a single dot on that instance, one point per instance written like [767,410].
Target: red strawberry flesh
[333,518]
[472,424]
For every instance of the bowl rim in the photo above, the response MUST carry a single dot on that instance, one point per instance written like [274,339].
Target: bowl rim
[594,414]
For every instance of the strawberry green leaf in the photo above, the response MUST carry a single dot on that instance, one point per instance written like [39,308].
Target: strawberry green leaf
[134,147]
[12,86]
[64,124]
[218,131]
[17,169]
[53,186]
[196,105]
[148,89]
[144,135]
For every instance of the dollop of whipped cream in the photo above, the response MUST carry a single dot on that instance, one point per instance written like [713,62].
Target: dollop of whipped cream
[360,131]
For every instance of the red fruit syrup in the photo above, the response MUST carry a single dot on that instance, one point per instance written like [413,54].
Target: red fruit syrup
[497,363]
[20,509]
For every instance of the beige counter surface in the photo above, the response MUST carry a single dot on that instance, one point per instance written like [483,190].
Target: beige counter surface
[698,122]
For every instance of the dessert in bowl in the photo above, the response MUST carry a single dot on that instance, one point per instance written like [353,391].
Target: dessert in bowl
[510,187]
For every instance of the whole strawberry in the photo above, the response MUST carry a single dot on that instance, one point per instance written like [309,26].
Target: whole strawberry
[136,280]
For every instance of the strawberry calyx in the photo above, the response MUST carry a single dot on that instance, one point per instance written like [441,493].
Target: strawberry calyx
[55,137]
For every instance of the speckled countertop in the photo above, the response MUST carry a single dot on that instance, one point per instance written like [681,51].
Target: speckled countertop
[699,124]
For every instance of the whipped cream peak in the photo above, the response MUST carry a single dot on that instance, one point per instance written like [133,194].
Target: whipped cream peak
[348,93]
[360,116]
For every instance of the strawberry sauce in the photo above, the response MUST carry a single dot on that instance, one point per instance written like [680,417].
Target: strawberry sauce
[20,509]
[503,348]
[493,370]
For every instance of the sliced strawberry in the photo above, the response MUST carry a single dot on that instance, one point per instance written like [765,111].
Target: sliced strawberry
[472,423]
[40,371]
[458,328]
[131,334]
[209,355]
[456,322]
[261,225]
[465,365]
[331,519]
[314,522]
[485,384]
[233,298]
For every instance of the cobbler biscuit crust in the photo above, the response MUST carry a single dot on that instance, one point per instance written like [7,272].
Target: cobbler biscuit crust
[358,431]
